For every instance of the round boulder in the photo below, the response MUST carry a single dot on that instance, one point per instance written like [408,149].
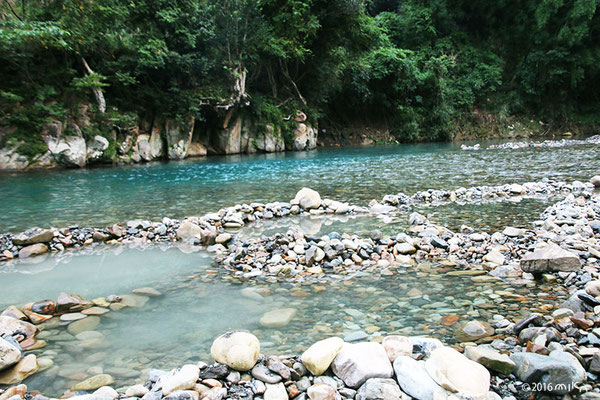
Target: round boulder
[238,350]
[308,198]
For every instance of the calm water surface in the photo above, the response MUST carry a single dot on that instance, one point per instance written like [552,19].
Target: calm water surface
[102,196]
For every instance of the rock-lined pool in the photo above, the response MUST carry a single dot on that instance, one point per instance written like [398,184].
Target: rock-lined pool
[102,196]
[199,303]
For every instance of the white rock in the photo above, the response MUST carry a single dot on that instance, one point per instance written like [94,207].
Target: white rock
[318,357]
[396,346]
[183,379]
[321,391]
[455,372]
[276,392]
[238,350]
[355,363]
[106,392]
[9,354]
[136,391]
[308,198]
[414,379]
[595,181]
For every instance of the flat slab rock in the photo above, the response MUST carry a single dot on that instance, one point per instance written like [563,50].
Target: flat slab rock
[550,258]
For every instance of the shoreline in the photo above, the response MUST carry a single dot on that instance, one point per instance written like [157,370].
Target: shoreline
[569,222]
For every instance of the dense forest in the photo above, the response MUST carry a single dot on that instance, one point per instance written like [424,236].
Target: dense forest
[421,68]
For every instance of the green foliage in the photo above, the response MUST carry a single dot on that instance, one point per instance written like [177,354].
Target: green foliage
[416,66]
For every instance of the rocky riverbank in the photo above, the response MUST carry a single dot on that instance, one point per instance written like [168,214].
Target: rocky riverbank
[556,350]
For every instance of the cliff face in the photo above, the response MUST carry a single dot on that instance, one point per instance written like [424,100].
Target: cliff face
[160,140]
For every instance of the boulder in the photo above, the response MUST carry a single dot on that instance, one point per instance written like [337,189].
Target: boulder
[270,141]
[94,382]
[144,149]
[96,148]
[183,379]
[396,346]
[490,358]
[83,325]
[156,142]
[456,373]
[189,231]
[33,250]
[321,391]
[595,181]
[69,151]
[19,372]
[379,389]
[11,160]
[9,354]
[19,391]
[414,379]
[558,372]
[32,236]
[277,318]
[238,350]
[13,327]
[308,198]
[318,357]
[305,137]
[67,303]
[550,258]
[469,331]
[355,363]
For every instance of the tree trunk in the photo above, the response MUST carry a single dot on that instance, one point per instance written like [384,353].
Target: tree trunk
[97,91]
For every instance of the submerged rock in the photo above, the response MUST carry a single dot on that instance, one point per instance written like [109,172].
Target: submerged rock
[473,330]
[95,382]
[33,250]
[277,318]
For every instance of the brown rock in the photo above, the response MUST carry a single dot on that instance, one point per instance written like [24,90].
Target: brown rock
[24,368]
[33,236]
[33,250]
[43,307]
[18,390]
[13,327]
[37,318]
[14,312]
[67,302]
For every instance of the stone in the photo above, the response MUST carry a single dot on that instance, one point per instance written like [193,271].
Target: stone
[43,307]
[490,358]
[558,372]
[276,391]
[14,312]
[9,354]
[136,391]
[550,258]
[414,379]
[183,379]
[189,231]
[513,232]
[94,382]
[357,362]
[106,392]
[19,391]
[305,137]
[318,357]
[469,331]
[196,150]
[405,248]
[33,236]
[456,373]
[495,257]
[216,393]
[321,391]
[69,151]
[82,325]
[69,317]
[308,198]
[277,318]
[67,302]
[96,148]
[238,350]
[396,346]
[147,291]
[593,288]
[33,250]
[379,389]
[263,373]
[95,311]
[20,371]
[223,238]
[595,180]
[12,327]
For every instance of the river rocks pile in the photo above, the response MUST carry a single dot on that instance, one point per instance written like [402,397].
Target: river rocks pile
[24,330]
[546,143]
[208,229]
[545,188]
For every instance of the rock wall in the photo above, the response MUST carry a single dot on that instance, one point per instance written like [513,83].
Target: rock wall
[158,140]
